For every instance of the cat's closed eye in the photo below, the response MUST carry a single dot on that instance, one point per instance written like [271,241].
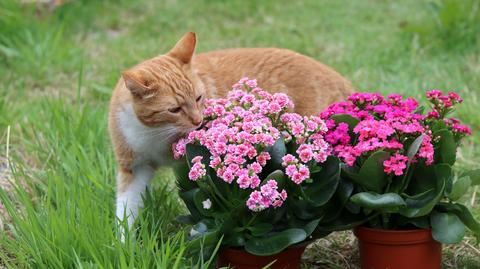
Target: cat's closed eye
[175,109]
[199,98]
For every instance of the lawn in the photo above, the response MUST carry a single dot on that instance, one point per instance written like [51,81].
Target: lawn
[58,67]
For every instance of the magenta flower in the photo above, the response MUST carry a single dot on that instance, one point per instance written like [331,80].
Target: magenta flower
[384,124]
[395,164]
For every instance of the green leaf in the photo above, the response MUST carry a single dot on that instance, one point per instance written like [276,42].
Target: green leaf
[421,222]
[447,228]
[273,244]
[307,225]
[422,204]
[346,118]
[181,170]
[344,222]
[460,187]
[234,240]
[388,202]
[438,125]
[464,214]
[303,209]
[344,191]
[277,151]
[205,242]
[197,150]
[260,228]
[277,175]
[198,198]
[446,150]
[188,199]
[311,226]
[325,182]
[474,176]
[371,175]
[414,147]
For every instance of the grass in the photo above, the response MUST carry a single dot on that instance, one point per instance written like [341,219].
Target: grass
[57,70]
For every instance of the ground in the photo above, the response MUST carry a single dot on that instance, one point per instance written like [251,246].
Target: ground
[58,65]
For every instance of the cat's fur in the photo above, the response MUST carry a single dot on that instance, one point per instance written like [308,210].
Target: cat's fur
[160,99]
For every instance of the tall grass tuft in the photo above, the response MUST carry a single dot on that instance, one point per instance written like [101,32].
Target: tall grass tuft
[453,24]
[62,210]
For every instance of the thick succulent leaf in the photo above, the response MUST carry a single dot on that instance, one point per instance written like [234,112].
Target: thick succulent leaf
[387,202]
[414,147]
[277,175]
[463,213]
[273,244]
[260,228]
[198,198]
[188,199]
[346,118]
[204,242]
[371,175]
[459,188]
[344,191]
[277,151]
[197,150]
[311,226]
[447,228]
[421,222]
[304,210]
[446,150]
[181,170]
[325,183]
[438,125]
[423,203]
[234,240]
[307,226]
[345,221]
[474,176]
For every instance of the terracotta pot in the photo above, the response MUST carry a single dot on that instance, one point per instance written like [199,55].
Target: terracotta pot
[240,259]
[412,249]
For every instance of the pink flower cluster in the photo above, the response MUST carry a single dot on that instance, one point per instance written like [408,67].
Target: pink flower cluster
[444,104]
[241,127]
[198,169]
[396,164]
[441,102]
[384,124]
[308,133]
[266,197]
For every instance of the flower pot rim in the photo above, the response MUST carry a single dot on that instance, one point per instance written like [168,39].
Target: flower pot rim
[393,237]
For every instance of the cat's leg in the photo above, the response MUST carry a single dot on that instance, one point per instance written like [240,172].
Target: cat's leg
[131,186]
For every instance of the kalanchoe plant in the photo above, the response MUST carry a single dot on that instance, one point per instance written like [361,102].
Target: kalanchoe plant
[400,162]
[257,175]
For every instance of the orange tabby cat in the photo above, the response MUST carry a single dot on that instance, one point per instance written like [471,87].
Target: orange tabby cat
[160,99]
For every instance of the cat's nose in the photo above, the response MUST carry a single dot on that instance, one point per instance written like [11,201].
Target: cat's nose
[197,121]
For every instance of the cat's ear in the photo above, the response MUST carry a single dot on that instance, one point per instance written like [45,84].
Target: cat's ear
[136,82]
[184,48]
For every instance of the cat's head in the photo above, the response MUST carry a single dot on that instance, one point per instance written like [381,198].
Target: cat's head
[166,91]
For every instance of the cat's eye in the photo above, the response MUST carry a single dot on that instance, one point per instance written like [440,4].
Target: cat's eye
[175,109]
[199,98]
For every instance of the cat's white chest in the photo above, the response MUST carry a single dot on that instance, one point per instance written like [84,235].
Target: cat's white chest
[150,145]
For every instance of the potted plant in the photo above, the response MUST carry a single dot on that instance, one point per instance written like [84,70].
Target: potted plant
[405,190]
[258,178]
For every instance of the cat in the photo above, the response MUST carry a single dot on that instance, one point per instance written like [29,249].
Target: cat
[161,99]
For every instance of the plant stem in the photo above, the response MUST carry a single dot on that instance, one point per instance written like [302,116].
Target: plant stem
[385,221]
